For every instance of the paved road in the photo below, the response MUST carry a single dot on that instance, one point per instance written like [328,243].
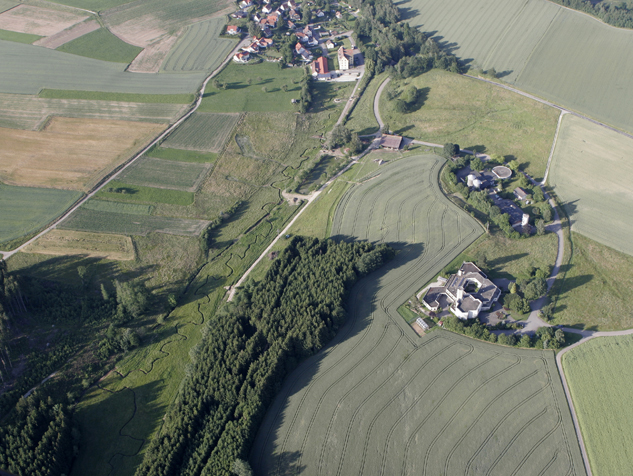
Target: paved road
[113,175]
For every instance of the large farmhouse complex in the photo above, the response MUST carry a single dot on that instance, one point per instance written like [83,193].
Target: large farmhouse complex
[466,293]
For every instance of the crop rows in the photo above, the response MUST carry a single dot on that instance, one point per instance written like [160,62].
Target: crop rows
[151,172]
[203,132]
[542,48]
[380,400]
[200,48]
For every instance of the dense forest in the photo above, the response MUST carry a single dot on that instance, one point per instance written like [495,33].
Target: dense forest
[620,14]
[249,347]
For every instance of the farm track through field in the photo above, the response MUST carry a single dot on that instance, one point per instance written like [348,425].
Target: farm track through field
[361,405]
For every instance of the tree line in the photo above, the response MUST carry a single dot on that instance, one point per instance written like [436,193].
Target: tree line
[248,347]
[616,14]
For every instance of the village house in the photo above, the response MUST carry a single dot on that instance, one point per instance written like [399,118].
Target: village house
[320,14]
[246,3]
[320,68]
[345,58]
[466,293]
[239,14]
[241,57]
[302,37]
[392,142]
[233,30]
[339,15]
[252,48]
[521,194]
[263,43]
[301,51]
[330,45]
[267,9]
[294,15]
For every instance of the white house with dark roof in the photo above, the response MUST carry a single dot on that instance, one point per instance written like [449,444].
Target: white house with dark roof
[466,293]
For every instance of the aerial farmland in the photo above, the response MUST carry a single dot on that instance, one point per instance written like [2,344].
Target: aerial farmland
[306,237]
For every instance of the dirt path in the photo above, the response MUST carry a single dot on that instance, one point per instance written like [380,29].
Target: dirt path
[551,152]
[117,172]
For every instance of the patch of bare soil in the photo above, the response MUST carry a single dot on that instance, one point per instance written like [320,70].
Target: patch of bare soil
[142,31]
[37,20]
[294,198]
[68,34]
[151,58]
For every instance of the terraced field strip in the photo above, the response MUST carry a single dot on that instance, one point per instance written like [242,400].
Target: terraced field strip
[159,173]
[199,48]
[591,172]
[85,219]
[93,245]
[379,400]
[70,153]
[542,48]
[203,132]
[27,69]
[26,209]
[598,374]
[19,111]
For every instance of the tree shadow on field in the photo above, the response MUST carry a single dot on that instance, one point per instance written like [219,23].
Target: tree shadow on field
[571,209]
[287,463]
[479,149]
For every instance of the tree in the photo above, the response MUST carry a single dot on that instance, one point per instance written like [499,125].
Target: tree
[411,95]
[537,194]
[131,297]
[513,165]
[540,227]
[546,211]
[525,341]
[513,288]
[401,106]
[242,468]
[535,289]
[476,163]
[254,29]
[523,181]
[385,128]
[339,136]
[450,150]
[355,144]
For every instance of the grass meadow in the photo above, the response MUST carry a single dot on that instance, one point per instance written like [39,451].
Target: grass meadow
[27,69]
[182,155]
[199,48]
[245,89]
[362,119]
[102,45]
[94,5]
[117,97]
[540,47]
[591,173]
[203,132]
[18,37]
[473,114]
[126,192]
[599,373]
[91,245]
[170,174]
[383,401]
[27,209]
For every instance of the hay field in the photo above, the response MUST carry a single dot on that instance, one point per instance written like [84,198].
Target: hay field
[474,114]
[199,48]
[599,377]
[94,5]
[151,58]
[19,111]
[26,69]
[170,174]
[591,173]
[70,153]
[93,245]
[26,209]
[102,45]
[379,400]
[203,132]
[541,47]
[38,21]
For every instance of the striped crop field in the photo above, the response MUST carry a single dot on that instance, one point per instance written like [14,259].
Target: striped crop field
[27,209]
[26,69]
[541,47]
[203,132]
[200,48]
[19,111]
[382,401]
[591,173]
[170,174]
[599,376]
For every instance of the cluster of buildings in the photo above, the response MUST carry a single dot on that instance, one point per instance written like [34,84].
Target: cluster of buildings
[258,44]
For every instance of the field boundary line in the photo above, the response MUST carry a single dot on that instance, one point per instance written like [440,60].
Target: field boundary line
[551,153]
[117,171]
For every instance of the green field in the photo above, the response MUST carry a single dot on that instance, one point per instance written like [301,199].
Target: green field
[116,207]
[599,374]
[94,5]
[380,400]
[182,155]
[102,45]
[118,97]
[96,221]
[591,173]
[26,209]
[362,119]
[138,193]
[203,132]
[170,174]
[242,96]
[20,111]
[27,69]
[474,114]
[200,48]
[18,37]
[540,47]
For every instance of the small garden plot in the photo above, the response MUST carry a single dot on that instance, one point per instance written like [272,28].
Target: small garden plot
[203,132]
[95,221]
[38,21]
[181,155]
[102,45]
[94,245]
[159,173]
[200,48]
[26,209]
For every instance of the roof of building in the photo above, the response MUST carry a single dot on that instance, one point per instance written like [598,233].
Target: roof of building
[502,172]
[432,296]
[469,303]
[391,141]
[319,66]
[298,47]
[520,193]
[470,272]
[233,28]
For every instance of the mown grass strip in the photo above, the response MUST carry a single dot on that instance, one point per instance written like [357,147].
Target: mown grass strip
[124,192]
[123,97]
[182,155]
[117,207]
